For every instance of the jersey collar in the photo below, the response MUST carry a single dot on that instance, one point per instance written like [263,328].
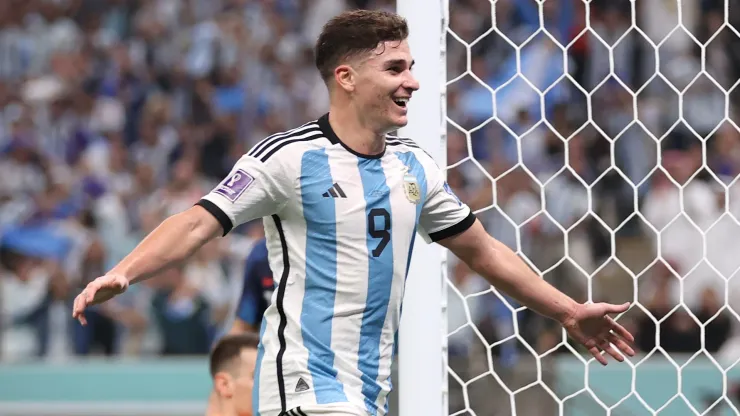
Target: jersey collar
[329,133]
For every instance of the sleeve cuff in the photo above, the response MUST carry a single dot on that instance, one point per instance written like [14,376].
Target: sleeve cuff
[454,230]
[218,213]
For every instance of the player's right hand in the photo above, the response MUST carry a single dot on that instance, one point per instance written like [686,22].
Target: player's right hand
[98,291]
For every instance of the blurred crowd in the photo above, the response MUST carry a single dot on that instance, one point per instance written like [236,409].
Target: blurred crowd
[614,163]
[609,165]
[115,114]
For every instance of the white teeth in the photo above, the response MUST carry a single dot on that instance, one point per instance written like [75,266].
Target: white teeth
[402,100]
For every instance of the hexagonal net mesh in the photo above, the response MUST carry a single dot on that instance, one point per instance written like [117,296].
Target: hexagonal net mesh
[600,141]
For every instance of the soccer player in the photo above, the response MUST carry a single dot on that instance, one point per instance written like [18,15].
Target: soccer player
[342,202]
[256,292]
[232,370]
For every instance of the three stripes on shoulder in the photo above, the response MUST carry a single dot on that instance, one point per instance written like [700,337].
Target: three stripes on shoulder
[269,146]
[307,132]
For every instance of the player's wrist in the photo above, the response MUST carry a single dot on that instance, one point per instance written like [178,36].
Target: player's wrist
[120,273]
[567,312]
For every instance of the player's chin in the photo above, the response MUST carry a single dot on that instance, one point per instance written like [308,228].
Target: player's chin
[399,120]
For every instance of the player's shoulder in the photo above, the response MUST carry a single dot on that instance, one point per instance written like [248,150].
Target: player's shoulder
[287,144]
[398,144]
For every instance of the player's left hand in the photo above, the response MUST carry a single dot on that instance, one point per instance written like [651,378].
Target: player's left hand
[592,326]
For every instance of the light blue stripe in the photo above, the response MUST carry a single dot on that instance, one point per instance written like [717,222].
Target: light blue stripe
[321,276]
[258,370]
[380,278]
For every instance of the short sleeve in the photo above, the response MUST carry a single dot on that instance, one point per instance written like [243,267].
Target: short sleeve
[443,214]
[253,189]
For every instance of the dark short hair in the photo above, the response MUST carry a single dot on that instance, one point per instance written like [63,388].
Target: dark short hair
[229,348]
[355,32]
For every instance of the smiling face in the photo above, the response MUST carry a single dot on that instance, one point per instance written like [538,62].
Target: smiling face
[365,60]
[380,84]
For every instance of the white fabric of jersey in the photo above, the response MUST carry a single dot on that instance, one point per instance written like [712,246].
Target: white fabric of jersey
[340,227]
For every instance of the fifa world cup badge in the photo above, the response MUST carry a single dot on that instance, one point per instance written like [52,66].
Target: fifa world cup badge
[411,188]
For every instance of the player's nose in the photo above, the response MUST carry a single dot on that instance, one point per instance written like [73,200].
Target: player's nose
[411,83]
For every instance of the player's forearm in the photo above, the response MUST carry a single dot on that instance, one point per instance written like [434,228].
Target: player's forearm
[508,273]
[173,241]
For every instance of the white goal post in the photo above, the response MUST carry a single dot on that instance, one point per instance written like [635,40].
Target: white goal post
[700,99]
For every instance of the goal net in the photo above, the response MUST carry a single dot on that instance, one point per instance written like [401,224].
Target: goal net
[600,141]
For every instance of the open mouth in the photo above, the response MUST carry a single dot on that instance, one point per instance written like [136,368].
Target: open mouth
[401,102]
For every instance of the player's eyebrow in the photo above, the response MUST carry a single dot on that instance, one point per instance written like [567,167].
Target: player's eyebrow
[398,62]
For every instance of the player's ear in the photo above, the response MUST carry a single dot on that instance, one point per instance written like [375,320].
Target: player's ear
[224,385]
[345,77]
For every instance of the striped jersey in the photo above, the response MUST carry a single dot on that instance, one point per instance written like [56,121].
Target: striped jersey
[340,227]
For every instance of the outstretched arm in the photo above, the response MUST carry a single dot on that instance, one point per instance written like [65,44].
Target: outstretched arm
[588,324]
[253,189]
[176,239]
[506,271]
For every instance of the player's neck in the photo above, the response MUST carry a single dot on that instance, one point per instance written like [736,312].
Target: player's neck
[354,132]
[219,407]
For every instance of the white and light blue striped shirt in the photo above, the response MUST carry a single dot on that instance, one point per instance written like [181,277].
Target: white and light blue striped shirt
[340,228]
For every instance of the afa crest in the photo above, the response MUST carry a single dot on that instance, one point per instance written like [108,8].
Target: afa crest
[411,188]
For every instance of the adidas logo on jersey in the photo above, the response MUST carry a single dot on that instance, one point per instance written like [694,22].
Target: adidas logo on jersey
[301,386]
[335,192]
